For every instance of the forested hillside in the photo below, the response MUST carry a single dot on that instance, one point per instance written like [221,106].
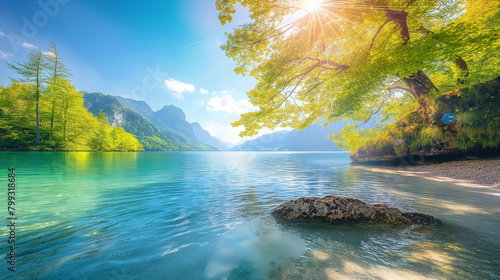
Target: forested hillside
[120,115]
[42,110]
[171,122]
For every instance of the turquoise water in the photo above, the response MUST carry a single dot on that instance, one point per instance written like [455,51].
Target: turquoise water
[159,215]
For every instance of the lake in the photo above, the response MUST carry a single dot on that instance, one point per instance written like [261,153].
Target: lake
[206,215]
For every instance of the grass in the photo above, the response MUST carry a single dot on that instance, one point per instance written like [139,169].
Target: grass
[477,124]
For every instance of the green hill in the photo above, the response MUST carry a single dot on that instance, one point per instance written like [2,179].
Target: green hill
[150,135]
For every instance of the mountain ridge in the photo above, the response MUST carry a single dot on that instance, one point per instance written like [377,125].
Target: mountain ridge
[205,137]
[167,113]
[309,139]
[148,134]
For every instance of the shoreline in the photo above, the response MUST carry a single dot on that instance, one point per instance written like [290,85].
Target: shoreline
[471,173]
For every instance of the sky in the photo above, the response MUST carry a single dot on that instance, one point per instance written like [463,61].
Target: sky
[160,51]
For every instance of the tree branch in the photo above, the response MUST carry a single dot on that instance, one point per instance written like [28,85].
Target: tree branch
[378,31]
[424,30]
[408,4]
[398,18]
[319,63]
[372,114]
[322,62]
[313,87]
[400,88]
[292,25]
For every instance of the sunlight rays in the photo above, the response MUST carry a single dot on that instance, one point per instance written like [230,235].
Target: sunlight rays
[312,5]
[314,26]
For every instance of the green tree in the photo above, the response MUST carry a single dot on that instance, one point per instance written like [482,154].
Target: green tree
[72,127]
[100,139]
[355,59]
[71,101]
[33,72]
[57,71]
[17,123]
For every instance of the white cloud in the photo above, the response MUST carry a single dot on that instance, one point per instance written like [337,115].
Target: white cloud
[203,91]
[28,45]
[23,44]
[4,55]
[178,95]
[227,104]
[178,88]
[49,54]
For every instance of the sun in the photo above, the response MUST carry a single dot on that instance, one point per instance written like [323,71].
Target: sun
[312,5]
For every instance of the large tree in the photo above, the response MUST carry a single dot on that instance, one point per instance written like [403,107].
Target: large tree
[354,59]
[72,127]
[57,71]
[33,71]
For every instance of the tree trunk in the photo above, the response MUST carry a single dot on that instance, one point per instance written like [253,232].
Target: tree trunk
[37,123]
[421,86]
[37,104]
[65,130]
[65,120]
[52,119]
[53,102]
[461,70]
[399,18]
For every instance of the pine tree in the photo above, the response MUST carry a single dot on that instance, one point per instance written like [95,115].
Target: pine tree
[33,72]
[57,71]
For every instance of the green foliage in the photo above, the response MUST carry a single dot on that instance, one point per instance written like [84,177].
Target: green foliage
[108,138]
[152,137]
[155,143]
[477,125]
[50,116]
[429,136]
[348,61]
[33,71]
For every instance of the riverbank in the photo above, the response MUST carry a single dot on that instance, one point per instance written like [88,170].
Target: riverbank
[484,172]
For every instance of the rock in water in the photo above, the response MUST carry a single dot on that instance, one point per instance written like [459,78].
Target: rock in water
[418,218]
[344,210]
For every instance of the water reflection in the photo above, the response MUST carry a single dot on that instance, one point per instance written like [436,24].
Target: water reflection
[206,216]
[259,244]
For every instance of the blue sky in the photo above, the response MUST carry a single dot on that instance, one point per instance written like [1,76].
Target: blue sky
[163,52]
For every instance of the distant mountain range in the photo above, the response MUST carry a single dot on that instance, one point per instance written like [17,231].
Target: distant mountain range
[204,137]
[310,139]
[171,119]
[164,130]
[168,130]
[119,115]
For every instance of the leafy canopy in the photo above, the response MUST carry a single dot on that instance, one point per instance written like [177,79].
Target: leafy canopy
[346,60]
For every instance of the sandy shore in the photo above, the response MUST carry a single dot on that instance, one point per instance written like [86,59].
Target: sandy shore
[485,172]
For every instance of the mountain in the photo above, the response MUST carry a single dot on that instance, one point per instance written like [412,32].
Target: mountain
[167,129]
[175,118]
[171,121]
[269,142]
[140,107]
[150,136]
[206,138]
[310,139]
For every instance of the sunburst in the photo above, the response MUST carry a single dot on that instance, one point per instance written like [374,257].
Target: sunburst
[312,5]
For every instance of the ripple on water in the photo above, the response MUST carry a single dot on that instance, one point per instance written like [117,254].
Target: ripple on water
[207,216]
